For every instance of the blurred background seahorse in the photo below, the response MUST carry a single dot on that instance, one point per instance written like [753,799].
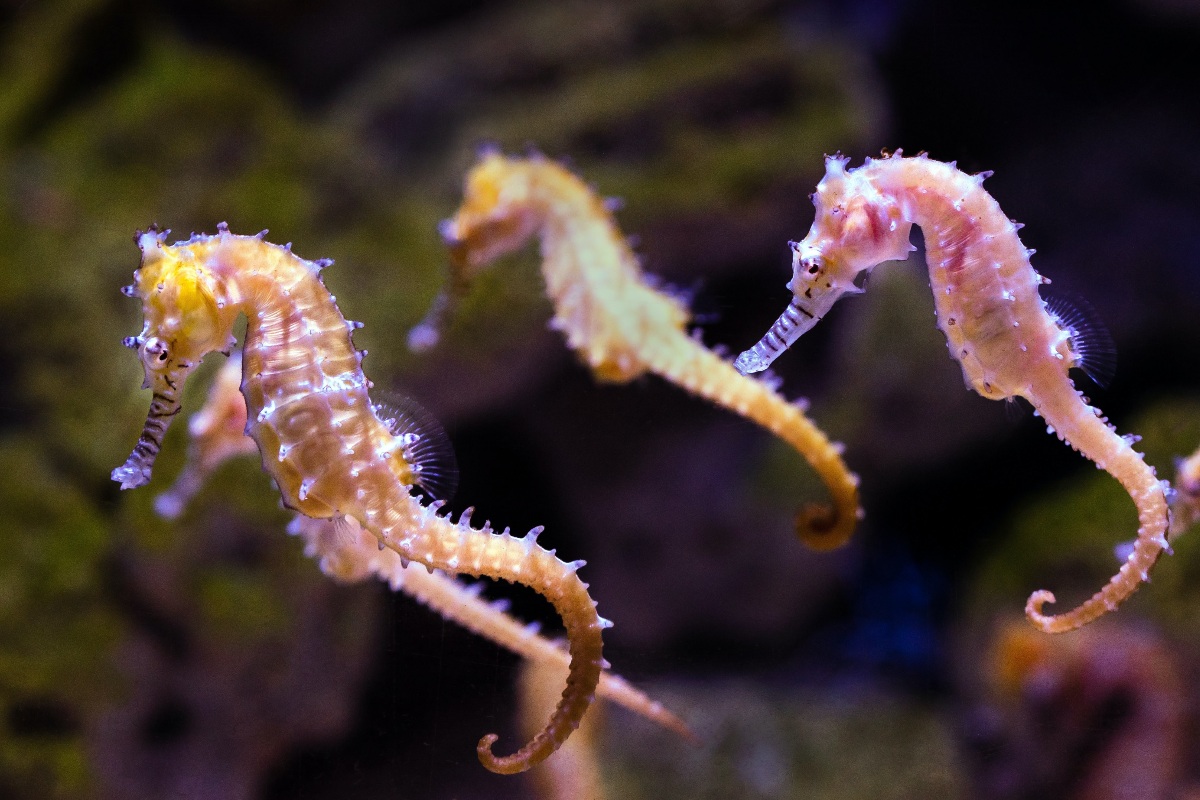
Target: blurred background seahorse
[614,317]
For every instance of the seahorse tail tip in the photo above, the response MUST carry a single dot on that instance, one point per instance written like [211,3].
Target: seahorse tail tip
[1035,603]
[1052,623]
[824,527]
[529,756]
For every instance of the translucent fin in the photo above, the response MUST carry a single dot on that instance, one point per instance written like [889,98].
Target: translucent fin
[428,448]
[1093,346]
[1016,409]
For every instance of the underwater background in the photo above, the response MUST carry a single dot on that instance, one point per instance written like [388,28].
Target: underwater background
[209,658]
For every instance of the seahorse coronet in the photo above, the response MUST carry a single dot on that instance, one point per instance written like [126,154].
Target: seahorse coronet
[318,435]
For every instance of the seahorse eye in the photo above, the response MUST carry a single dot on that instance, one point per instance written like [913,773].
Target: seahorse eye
[814,265]
[155,348]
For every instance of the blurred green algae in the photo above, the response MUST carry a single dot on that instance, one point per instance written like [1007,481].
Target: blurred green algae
[55,627]
[760,741]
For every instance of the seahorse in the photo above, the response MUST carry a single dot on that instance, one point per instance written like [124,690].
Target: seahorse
[318,435]
[997,326]
[1185,501]
[347,553]
[613,318]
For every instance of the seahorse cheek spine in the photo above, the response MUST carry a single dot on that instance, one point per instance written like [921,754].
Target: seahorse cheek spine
[491,221]
[855,223]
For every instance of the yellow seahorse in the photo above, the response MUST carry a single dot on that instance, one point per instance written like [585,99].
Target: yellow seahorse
[349,554]
[613,318]
[319,436]
[996,325]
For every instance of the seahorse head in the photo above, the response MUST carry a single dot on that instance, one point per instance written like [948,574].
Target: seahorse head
[184,321]
[495,216]
[855,228]
[179,301]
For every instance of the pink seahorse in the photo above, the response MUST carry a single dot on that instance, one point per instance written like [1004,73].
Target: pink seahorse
[996,325]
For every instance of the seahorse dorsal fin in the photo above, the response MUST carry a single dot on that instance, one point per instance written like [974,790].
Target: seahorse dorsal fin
[1093,346]
[427,448]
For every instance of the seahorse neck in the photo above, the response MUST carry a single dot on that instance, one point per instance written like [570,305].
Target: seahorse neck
[574,221]
[925,188]
[297,340]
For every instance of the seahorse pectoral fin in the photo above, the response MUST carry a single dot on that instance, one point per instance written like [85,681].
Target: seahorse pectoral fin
[1092,347]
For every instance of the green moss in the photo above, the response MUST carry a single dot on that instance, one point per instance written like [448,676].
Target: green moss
[678,130]
[763,743]
[55,624]
[239,603]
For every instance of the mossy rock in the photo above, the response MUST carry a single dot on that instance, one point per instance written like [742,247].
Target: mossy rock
[57,627]
[758,742]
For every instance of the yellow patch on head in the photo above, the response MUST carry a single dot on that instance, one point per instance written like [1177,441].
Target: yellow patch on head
[179,303]
[483,185]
